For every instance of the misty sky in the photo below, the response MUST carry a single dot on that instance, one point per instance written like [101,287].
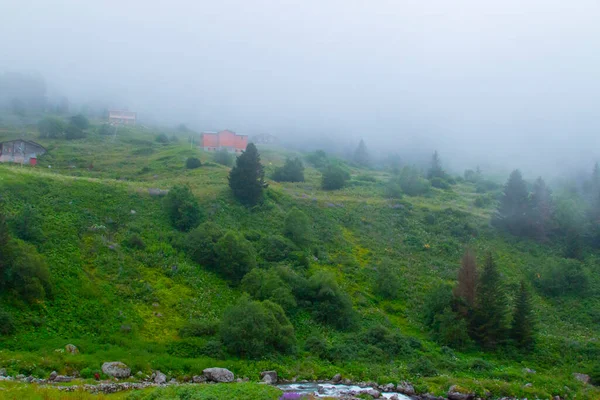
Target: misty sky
[519,78]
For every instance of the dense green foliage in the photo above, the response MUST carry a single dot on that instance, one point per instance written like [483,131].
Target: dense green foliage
[291,171]
[224,157]
[193,163]
[51,127]
[334,177]
[297,227]
[182,208]
[80,121]
[235,256]
[247,177]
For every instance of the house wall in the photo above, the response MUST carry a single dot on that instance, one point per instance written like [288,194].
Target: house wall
[19,151]
[224,140]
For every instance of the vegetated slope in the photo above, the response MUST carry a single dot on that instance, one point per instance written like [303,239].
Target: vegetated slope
[123,287]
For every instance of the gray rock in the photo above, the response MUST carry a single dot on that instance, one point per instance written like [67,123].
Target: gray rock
[405,388]
[372,392]
[157,192]
[173,381]
[337,378]
[71,348]
[528,385]
[222,375]
[29,379]
[116,369]
[199,379]
[454,393]
[529,371]
[52,376]
[269,377]
[63,378]
[20,376]
[160,378]
[390,387]
[582,377]
[2,371]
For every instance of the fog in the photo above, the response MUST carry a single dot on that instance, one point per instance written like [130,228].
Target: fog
[512,83]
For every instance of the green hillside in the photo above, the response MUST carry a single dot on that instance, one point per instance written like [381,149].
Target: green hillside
[125,286]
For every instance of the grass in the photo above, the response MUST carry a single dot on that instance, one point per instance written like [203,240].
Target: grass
[120,303]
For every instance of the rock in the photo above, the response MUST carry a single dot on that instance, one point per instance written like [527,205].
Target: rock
[395,397]
[20,376]
[160,378]
[63,378]
[29,379]
[157,192]
[155,305]
[529,371]
[132,212]
[116,369]
[582,377]
[71,348]
[528,385]
[337,378]
[405,388]
[2,371]
[390,387]
[372,392]
[347,381]
[198,379]
[456,393]
[269,377]
[218,375]
[52,376]
[173,381]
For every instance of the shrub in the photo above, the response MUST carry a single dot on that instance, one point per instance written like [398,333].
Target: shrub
[292,171]
[27,273]
[182,208]
[224,157]
[334,177]
[387,281]
[481,365]
[73,132]
[162,138]
[200,243]
[318,159]
[135,242]
[276,248]
[235,255]
[316,345]
[422,367]
[80,121]
[193,163]
[412,183]
[439,183]
[330,304]
[268,285]
[7,325]
[198,329]
[452,329]
[27,224]
[106,130]
[297,227]
[51,127]
[393,189]
[566,277]
[253,329]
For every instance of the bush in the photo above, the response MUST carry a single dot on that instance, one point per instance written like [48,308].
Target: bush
[276,248]
[334,177]
[451,330]
[422,367]
[27,273]
[393,189]
[193,163]
[51,127]
[200,244]
[253,329]
[292,171]
[183,208]
[224,157]
[316,345]
[387,281]
[566,277]
[7,325]
[162,138]
[481,365]
[80,121]
[412,183]
[73,132]
[297,227]
[135,242]
[439,183]
[106,130]
[27,224]
[235,255]
[318,159]
[268,285]
[198,329]
[330,304]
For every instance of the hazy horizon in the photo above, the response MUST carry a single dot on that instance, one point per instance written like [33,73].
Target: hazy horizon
[510,83]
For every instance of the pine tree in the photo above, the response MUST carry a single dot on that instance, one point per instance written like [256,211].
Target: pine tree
[513,213]
[541,208]
[361,155]
[467,279]
[523,326]
[247,177]
[436,170]
[489,320]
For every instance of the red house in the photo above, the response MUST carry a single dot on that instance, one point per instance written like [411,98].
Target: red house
[228,140]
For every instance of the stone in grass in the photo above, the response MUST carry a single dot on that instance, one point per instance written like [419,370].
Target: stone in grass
[269,377]
[221,375]
[116,369]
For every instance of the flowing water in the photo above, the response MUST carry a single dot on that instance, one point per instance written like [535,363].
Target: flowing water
[329,390]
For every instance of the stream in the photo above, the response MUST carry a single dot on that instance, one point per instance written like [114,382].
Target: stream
[331,390]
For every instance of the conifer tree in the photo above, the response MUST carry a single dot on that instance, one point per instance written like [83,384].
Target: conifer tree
[247,177]
[523,326]
[541,208]
[489,320]
[361,155]
[436,170]
[467,279]
[513,211]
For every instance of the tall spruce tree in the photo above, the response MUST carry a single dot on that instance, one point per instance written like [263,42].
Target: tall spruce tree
[523,325]
[467,279]
[361,155]
[514,210]
[489,326]
[436,170]
[247,177]
[541,209]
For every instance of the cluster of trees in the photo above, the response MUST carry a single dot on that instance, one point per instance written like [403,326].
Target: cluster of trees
[291,171]
[56,128]
[182,208]
[247,177]
[478,309]
[23,272]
